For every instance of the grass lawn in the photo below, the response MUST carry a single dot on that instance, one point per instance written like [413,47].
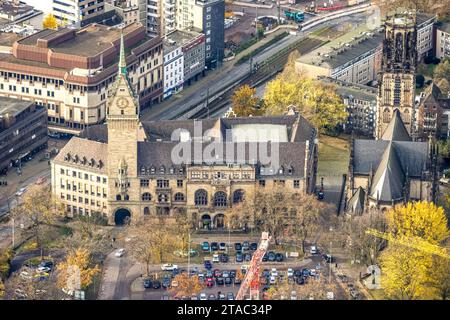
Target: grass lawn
[333,155]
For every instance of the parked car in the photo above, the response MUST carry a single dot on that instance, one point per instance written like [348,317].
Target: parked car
[230,296]
[174,284]
[279,257]
[194,297]
[217,273]
[43,269]
[248,257]
[166,283]
[21,191]
[47,264]
[300,280]
[272,280]
[290,273]
[211,297]
[313,250]
[245,245]
[274,272]
[165,297]
[207,264]
[220,281]
[222,246]
[233,273]
[209,273]
[228,281]
[266,273]
[209,282]
[169,267]
[253,246]
[225,273]
[297,273]
[271,256]
[221,296]
[293,295]
[328,258]
[237,281]
[237,246]
[148,283]
[215,258]
[224,258]
[119,253]
[214,246]
[239,257]
[156,284]
[205,246]
[203,296]
[265,257]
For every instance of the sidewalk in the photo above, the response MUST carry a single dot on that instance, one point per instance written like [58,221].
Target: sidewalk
[109,277]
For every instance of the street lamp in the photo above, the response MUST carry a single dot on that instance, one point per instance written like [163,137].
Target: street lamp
[189,253]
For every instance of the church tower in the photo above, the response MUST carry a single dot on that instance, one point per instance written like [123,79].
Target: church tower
[397,81]
[123,123]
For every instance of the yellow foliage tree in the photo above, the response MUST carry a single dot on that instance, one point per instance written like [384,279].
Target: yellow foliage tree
[419,219]
[77,263]
[441,7]
[2,288]
[406,271]
[440,277]
[187,286]
[50,22]
[319,103]
[244,101]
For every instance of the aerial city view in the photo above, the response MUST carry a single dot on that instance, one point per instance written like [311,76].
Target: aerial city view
[224,150]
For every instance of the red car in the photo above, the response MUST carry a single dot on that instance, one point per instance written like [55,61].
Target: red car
[217,273]
[209,282]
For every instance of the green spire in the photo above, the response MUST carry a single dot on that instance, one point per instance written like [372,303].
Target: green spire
[122,61]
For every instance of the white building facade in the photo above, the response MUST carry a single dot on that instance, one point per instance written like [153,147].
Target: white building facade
[443,41]
[173,68]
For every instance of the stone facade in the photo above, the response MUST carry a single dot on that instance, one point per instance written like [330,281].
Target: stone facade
[397,79]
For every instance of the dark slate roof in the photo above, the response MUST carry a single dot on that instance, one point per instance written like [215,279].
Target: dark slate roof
[396,130]
[356,203]
[413,156]
[389,177]
[162,130]
[156,154]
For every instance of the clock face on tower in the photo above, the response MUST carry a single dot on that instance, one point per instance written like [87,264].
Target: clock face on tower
[122,103]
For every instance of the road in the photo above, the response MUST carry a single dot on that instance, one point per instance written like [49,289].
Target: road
[230,77]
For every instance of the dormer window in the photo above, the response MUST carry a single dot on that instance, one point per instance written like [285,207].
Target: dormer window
[100,163]
[171,170]
[92,161]
[75,159]
[290,170]
[84,160]
[152,170]
[162,170]
[67,157]
[281,170]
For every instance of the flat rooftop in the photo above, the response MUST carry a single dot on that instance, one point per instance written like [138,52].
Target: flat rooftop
[88,41]
[11,9]
[344,49]
[12,107]
[357,91]
[444,26]
[178,38]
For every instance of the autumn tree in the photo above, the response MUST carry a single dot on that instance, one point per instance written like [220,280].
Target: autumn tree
[405,270]
[77,271]
[50,22]
[185,225]
[2,288]
[315,288]
[281,290]
[150,240]
[19,288]
[290,73]
[187,286]
[244,101]
[362,246]
[318,102]
[440,277]
[38,208]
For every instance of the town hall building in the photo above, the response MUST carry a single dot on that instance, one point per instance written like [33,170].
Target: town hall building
[128,169]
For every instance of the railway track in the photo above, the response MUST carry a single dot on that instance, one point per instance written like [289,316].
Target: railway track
[260,73]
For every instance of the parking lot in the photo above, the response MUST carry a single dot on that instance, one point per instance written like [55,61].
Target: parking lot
[222,277]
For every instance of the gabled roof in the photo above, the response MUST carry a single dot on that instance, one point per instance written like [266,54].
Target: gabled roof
[389,177]
[356,202]
[396,130]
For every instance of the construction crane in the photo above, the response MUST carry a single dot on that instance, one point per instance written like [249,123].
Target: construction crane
[415,243]
[251,280]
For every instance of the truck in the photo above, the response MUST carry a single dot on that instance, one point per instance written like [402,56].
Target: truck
[297,16]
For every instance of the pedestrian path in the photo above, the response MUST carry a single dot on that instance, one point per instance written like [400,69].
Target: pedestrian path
[109,277]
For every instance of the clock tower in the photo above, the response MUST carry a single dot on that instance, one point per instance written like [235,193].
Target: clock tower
[123,123]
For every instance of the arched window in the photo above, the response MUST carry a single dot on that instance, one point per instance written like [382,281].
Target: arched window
[126,197]
[163,198]
[238,196]
[386,116]
[201,197]
[118,197]
[146,196]
[220,199]
[146,211]
[179,197]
